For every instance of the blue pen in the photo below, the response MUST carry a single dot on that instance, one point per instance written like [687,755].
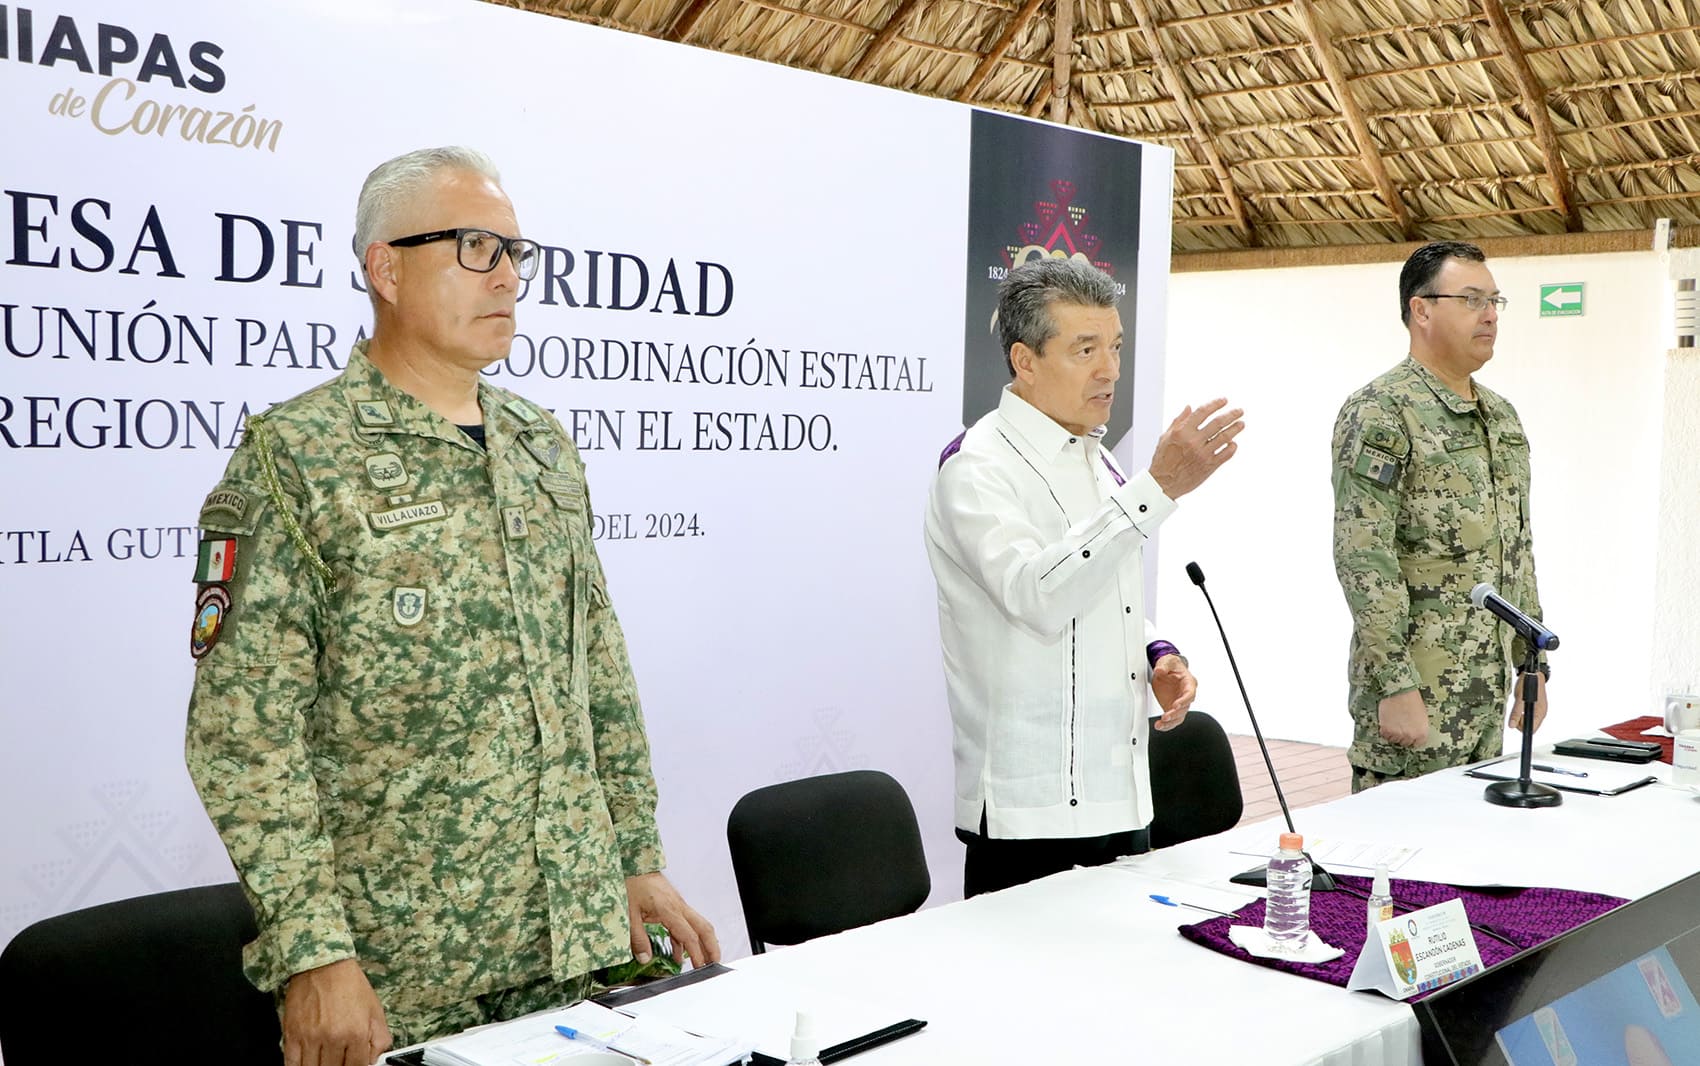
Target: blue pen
[585,1038]
[1167,902]
[1558,770]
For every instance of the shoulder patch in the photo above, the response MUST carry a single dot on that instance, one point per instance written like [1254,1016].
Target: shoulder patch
[1379,453]
[1385,438]
[225,500]
[231,508]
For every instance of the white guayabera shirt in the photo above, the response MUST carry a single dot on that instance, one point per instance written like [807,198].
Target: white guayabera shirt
[1036,542]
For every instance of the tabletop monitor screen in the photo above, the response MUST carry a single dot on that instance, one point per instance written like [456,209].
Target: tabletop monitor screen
[1617,991]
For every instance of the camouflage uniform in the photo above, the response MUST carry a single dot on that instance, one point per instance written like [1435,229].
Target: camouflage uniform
[416,729]
[1431,497]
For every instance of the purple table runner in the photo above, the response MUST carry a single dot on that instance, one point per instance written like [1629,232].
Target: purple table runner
[1526,916]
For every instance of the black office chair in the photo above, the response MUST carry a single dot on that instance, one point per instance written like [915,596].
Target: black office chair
[1195,785]
[825,854]
[156,979]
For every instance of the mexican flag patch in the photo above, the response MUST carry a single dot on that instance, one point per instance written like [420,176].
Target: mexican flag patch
[217,560]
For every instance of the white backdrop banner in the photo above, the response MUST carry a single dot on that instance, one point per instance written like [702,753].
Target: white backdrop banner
[750,317]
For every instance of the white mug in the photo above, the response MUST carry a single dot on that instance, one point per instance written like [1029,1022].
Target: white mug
[1685,759]
[1681,712]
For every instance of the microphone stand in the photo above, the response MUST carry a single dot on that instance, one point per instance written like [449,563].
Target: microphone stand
[1321,880]
[1524,792]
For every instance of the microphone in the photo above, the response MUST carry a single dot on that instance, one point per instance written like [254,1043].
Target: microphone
[1484,595]
[1522,792]
[1320,880]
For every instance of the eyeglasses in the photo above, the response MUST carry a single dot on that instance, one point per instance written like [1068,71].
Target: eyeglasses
[1475,301]
[479,250]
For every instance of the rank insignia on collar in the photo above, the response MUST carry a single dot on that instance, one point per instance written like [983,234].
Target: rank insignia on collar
[520,410]
[373,413]
[385,471]
[408,605]
[513,523]
[544,447]
[212,607]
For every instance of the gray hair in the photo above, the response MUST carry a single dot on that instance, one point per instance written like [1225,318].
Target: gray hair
[1027,293]
[398,181]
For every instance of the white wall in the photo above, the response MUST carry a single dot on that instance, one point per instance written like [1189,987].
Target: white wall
[1289,345]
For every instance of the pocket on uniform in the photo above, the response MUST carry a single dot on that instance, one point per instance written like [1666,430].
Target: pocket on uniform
[394,625]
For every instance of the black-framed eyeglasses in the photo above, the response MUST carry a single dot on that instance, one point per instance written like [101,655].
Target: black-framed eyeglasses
[479,250]
[1475,301]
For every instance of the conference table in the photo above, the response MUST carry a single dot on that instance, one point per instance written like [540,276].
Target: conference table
[1085,967]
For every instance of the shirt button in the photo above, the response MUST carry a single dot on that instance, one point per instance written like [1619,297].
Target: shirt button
[1074,803]
[1129,610]
[1133,677]
[1073,440]
[1086,554]
[1143,508]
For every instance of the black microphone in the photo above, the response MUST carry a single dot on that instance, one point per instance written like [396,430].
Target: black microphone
[1484,595]
[1522,792]
[1321,880]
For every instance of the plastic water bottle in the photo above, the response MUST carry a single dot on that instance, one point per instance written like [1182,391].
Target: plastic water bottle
[805,1047]
[1287,917]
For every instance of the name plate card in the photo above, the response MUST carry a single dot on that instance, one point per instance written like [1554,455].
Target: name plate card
[1418,952]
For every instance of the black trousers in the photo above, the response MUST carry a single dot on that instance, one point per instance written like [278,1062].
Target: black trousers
[993,864]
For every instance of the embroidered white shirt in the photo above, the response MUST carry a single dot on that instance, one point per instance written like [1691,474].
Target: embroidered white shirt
[1036,545]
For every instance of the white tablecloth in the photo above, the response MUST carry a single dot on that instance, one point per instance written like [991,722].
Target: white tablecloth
[1084,967]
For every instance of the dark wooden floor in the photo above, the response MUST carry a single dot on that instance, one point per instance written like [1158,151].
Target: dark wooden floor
[1310,774]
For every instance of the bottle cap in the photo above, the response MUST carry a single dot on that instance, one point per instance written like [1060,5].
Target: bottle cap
[804,1047]
[1380,887]
[1291,842]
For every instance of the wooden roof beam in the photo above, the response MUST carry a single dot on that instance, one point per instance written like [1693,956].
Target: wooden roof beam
[1535,102]
[1409,27]
[1188,107]
[1631,79]
[1305,12]
[888,33]
[812,16]
[687,20]
[1062,58]
[1475,142]
[1283,125]
[1443,64]
[1226,13]
[1616,38]
[1017,23]
[1217,94]
[969,53]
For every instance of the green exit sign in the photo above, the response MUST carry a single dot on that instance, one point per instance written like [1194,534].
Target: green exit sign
[1561,301]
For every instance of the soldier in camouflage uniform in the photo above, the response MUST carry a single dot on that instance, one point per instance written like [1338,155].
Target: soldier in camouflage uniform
[1431,497]
[414,723]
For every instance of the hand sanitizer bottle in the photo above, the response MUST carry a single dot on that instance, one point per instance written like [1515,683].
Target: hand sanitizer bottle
[805,1049]
[1380,897]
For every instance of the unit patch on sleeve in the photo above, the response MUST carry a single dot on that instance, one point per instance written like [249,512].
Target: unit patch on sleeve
[1381,454]
[212,607]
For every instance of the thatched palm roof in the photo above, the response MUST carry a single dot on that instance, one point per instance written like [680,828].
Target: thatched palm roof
[1295,123]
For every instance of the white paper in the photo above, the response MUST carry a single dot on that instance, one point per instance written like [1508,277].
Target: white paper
[1334,854]
[533,1041]
[763,1011]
